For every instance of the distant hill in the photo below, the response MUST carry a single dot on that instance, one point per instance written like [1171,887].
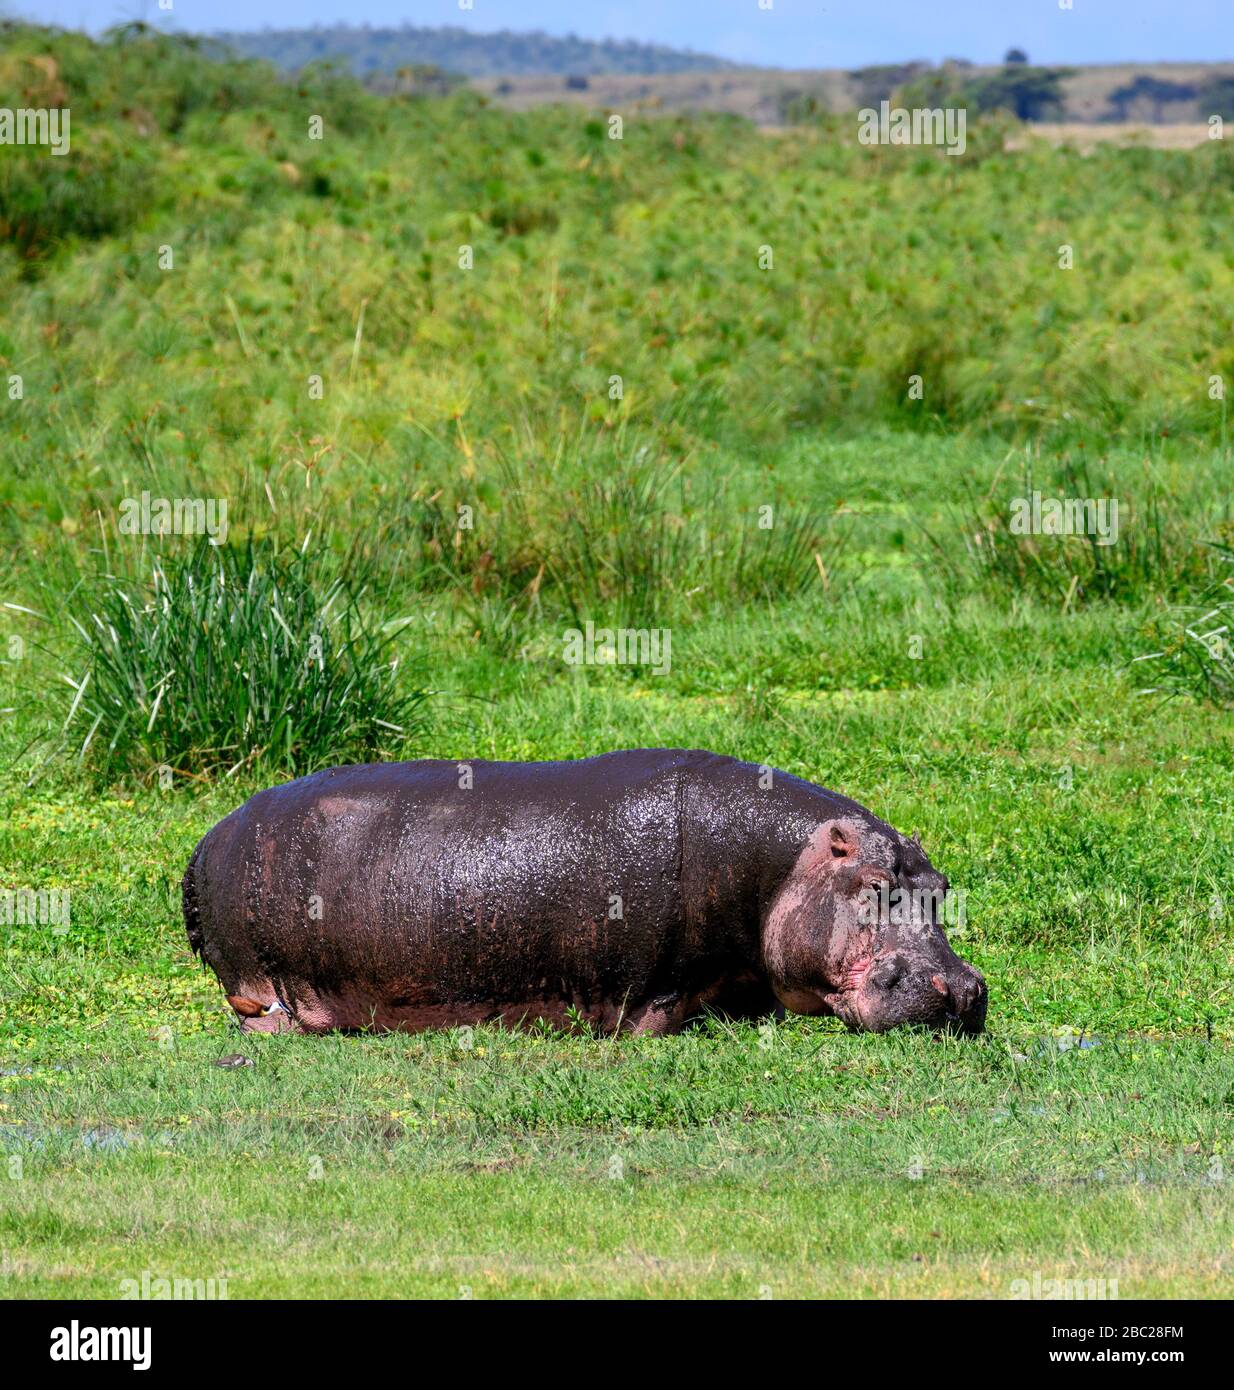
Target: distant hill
[503,54]
[1152,94]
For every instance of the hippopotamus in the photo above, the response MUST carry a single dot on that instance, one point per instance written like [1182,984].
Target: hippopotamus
[630,891]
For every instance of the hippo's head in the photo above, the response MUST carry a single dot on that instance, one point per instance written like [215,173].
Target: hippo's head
[854,932]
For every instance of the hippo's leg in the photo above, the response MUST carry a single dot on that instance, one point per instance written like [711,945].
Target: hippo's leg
[741,995]
[658,1017]
[270,1023]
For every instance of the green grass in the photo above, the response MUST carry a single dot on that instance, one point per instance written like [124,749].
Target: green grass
[726,1162]
[749,1160]
[375,1231]
[886,637]
[593,258]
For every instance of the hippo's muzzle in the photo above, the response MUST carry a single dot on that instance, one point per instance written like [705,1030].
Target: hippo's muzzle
[968,998]
[892,989]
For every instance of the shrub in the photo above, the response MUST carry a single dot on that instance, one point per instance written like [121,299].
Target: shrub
[1149,91]
[1031,94]
[228,657]
[1216,96]
[1028,93]
[94,191]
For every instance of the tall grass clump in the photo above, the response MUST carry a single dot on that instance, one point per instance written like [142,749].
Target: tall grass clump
[227,657]
[599,528]
[1196,653]
[1158,551]
[648,544]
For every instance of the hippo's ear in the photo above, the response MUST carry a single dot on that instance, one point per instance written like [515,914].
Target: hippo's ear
[832,844]
[915,839]
[839,840]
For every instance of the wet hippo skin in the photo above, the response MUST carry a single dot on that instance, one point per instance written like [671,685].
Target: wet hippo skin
[637,888]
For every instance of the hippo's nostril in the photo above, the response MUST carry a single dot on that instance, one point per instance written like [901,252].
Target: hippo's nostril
[888,972]
[980,992]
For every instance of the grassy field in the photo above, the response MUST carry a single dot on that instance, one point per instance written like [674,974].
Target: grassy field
[886,636]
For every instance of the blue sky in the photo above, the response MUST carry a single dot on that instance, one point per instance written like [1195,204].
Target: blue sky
[793,33]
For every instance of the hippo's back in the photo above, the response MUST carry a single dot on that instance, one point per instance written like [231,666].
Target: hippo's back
[434,883]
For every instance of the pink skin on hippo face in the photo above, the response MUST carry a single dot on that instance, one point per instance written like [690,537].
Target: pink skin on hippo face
[831,945]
